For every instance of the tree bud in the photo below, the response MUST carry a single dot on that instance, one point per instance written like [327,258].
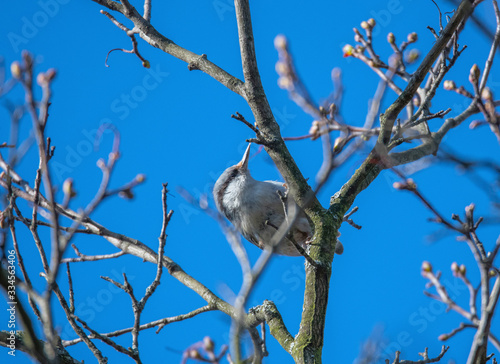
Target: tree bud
[281,68]
[426,267]
[280,42]
[15,69]
[449,85]
[486,94]
[285,83]
[208,344]
[333,108]
[474,74]
[412,55]
[338,144]
[470,208]
[314,130]
[68,187]
[101,163]
[348,50]
[411,184]
[114,155]
[412,37]
[391,38]
[194,354]
[41,79]
[463,270]
[398,185]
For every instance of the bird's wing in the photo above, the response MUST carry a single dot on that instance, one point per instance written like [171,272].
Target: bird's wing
[301,224]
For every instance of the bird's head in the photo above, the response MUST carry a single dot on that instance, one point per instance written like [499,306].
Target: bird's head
[232,179]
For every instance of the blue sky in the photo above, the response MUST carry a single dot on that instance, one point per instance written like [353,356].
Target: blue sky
[175,127]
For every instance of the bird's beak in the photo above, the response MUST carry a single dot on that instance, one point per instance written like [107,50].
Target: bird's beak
[243,164]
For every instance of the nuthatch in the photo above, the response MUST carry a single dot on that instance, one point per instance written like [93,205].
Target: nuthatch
[256,209]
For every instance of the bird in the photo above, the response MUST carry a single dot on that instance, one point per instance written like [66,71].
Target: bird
[256,209]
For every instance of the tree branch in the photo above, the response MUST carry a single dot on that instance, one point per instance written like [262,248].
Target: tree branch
[374,163]
[157,40]
[389,117]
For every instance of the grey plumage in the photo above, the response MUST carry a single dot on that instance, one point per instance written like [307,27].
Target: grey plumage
[256,210]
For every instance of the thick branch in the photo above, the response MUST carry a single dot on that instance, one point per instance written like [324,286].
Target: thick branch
[267,312]
[269,128]
[309,342]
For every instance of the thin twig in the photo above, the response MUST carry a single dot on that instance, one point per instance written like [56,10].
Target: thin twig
[157,323]
[90,258]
